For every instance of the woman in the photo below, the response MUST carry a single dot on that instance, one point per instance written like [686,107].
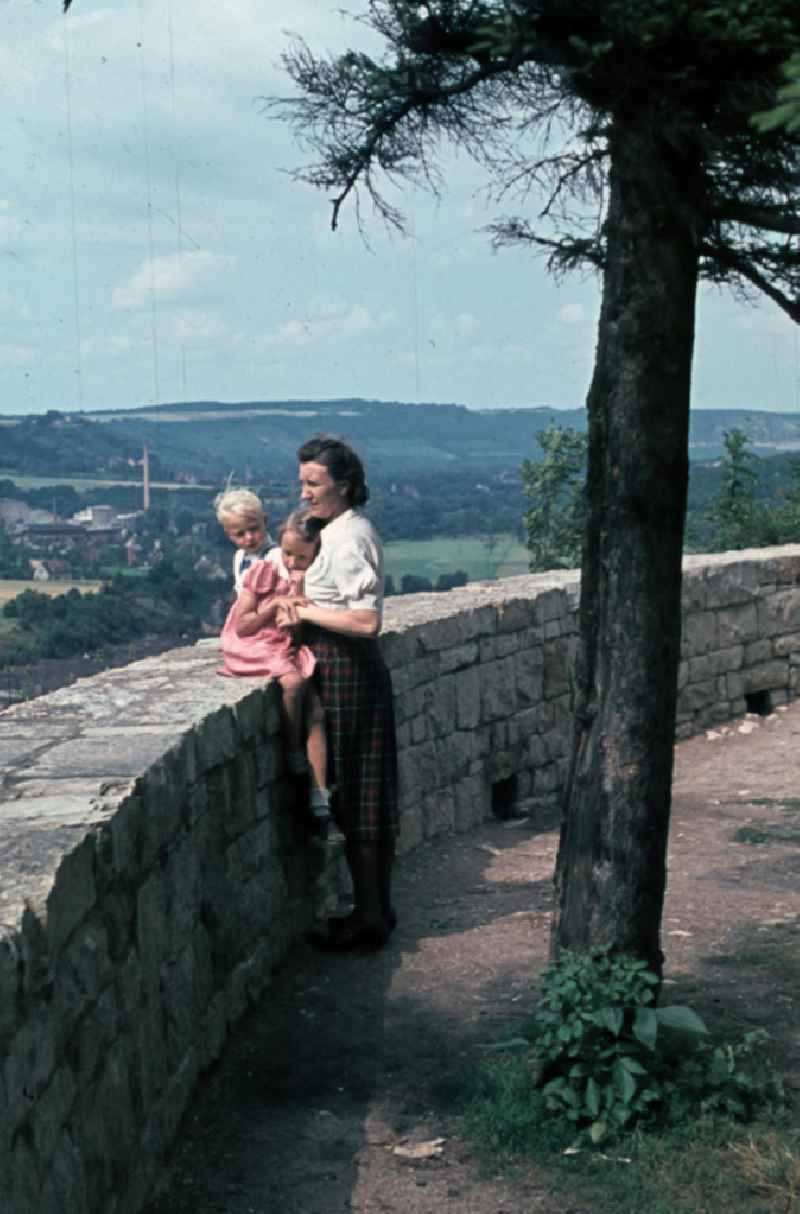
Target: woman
[341,623]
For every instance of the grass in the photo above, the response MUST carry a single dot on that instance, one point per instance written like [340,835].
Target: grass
[430,558]
[708,1166]
[768,834]
[10,588]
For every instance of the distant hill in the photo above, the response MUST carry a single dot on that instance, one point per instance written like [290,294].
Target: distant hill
[209,440]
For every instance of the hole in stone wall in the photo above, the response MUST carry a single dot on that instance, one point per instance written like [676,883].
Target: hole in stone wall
[759,702]
[504,795]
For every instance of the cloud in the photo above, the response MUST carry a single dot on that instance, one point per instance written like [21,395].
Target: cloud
[107,347]
[16,356]
[446,331]
[329,317]
[10,306]
[189,325]
[171,277]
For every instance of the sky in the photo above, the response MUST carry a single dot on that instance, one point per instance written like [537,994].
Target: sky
[155,248]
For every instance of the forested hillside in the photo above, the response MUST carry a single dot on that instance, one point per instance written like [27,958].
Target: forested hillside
[257,440]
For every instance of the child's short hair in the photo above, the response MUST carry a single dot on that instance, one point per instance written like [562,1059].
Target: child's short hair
[301,523]
[238,503]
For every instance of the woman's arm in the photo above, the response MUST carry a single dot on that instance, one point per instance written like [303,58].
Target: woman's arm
[352,622]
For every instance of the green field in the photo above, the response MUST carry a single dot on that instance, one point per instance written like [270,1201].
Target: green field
[430,558]
[10,588]
[81,482]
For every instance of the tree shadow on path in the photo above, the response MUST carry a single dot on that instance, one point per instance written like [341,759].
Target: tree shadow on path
[348,1058]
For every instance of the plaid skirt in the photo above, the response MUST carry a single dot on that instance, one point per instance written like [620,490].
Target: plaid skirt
[356,693]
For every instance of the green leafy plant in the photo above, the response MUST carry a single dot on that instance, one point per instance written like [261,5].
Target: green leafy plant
[556,518]
[607,1059]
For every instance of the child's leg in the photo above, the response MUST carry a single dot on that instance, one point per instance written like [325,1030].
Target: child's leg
[317,743]
[293,688]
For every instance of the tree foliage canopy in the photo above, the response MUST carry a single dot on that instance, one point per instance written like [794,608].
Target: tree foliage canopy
[530,89]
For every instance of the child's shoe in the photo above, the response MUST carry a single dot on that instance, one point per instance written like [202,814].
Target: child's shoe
[322,824]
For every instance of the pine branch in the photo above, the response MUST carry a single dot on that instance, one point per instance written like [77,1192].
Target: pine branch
[744,266]
[769,219]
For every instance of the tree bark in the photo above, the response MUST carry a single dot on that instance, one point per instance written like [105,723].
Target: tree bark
[611,868]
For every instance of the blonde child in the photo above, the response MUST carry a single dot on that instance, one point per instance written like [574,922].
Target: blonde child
[253,645]
[241,515]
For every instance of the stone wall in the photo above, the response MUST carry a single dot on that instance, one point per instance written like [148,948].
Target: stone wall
[153,869]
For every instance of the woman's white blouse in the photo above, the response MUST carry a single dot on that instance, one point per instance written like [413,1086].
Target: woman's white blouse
[348,570]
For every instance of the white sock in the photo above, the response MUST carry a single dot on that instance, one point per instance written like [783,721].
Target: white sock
[320,802]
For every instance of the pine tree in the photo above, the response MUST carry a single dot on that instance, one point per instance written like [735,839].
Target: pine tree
[643,107]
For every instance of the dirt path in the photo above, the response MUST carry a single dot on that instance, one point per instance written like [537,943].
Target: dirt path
[350,1058]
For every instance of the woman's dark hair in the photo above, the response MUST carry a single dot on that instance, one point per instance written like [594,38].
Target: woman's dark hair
[303,524]
[342,463]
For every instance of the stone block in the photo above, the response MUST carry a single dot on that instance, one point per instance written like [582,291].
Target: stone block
[546,779]
[697,696]
[737,581]
[424,670]
[693,591]
[82,971]
[737,624]
[403,736]
[756,652]
[253,715]
[507,643]
[779,613]
[94,1035]
[529,665]
[786,645]
[213,1031]
[399,648]
[551,605]
[440,634]
[458,658]
[456,753]
[28,1065]
[10,984]
[516,614]
[700,633]
[152,939]
[470,803]
[73,894]
[24,1180]
[557,668]
[411,827]
[216,739]
[163,802]
[439,814]
[468,698]
[66,1185]
[478,622]
[439,705]
[498,690]
[420,731]
[767,676]
[51,1111]
[418,770]
[487,650]
[735,686]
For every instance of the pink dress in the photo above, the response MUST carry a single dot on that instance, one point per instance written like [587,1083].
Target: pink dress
[270,651]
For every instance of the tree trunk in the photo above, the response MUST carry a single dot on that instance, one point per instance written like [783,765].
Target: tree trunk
[611,869]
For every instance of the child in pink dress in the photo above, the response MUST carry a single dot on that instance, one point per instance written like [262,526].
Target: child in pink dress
[253,645]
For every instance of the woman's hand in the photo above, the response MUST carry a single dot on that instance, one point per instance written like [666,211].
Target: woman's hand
[286,614]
